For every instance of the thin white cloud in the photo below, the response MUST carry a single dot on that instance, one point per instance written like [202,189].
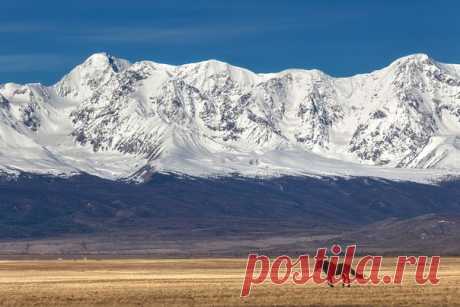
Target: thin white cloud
[25,27]
[128,34]
[148,33]
[32,62]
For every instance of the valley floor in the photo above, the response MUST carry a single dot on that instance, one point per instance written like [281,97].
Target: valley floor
[196,282]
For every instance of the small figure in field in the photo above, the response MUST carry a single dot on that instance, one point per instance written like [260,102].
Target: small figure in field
[340,269]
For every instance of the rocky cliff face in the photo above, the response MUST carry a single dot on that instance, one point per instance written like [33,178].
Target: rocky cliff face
[113,118]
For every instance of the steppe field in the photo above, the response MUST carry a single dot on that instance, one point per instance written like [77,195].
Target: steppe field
[197,282]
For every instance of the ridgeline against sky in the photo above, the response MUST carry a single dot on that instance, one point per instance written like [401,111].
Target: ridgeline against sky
[42,40]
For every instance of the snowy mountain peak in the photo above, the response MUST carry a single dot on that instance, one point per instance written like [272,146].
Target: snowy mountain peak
[420,65]
[84,79]
[416,57]
[114,119]
[213,75]
[103,60]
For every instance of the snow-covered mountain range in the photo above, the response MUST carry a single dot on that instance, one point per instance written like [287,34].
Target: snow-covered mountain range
[116,119]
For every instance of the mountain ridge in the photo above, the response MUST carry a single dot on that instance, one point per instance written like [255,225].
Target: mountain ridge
[116,119]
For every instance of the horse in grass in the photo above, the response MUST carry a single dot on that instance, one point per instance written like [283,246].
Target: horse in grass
[340,269]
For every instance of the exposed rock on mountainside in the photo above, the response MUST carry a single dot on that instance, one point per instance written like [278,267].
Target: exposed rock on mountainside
[111,118]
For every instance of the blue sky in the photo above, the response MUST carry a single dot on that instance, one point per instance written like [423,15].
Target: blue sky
[42,40]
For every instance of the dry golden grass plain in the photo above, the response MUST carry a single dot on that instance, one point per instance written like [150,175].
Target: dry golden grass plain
[196,282]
